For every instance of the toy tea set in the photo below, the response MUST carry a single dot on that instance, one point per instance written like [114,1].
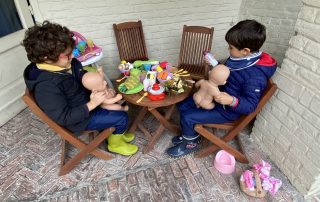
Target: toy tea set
[156,78]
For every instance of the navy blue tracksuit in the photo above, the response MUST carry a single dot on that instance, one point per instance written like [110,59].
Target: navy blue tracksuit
[247,82]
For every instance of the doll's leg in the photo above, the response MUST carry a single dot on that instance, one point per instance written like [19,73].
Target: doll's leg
[207,105]
[187,104]
[197,99]
[115,107]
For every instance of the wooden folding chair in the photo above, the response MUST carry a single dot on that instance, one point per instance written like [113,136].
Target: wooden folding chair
[233,130]
[195,40]
[68,137]
[130,41]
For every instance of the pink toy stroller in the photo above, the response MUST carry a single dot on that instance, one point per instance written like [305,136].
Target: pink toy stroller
[84,49]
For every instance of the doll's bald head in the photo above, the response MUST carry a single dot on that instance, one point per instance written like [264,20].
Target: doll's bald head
[94,81]
[219,74]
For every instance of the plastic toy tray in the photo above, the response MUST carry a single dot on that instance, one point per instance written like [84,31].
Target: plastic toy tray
[89,52]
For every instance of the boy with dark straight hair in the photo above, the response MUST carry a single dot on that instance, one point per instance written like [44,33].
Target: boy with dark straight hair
[250,70]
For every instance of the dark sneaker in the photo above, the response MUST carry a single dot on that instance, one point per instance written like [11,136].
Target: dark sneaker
[182,149]
[178,139]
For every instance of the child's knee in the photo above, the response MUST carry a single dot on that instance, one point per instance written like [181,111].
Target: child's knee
[122,118]
[186,119]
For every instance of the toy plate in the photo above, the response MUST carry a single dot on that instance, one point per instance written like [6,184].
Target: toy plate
[136,89]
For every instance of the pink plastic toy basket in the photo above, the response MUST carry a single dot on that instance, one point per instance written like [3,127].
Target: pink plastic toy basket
[89,52]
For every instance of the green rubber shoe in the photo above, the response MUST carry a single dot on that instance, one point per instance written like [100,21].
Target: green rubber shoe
[128,137]
[117,145]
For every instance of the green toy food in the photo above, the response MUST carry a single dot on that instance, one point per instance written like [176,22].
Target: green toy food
[139,63]
[90,69]
[131,85]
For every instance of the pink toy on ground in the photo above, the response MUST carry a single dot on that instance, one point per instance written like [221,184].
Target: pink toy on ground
[260,172]
[263,169]
[224,162]
[248,177]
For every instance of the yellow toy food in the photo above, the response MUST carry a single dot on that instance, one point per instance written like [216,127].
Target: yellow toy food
[131,82]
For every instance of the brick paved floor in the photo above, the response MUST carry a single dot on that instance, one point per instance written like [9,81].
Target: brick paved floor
[29,164]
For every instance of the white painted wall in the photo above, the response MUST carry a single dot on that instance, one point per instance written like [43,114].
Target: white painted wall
[162,23]
[279,17]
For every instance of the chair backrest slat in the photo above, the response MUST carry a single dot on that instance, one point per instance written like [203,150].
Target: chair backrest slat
[130,41]
[195,40]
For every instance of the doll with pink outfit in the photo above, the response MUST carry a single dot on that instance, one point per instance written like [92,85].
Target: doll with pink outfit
[257,182]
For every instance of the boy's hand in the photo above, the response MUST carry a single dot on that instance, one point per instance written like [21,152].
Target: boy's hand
[206,61]
[96,98]
[223,98]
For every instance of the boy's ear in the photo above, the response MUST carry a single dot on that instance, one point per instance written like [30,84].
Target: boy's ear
[246,51]
[45,58]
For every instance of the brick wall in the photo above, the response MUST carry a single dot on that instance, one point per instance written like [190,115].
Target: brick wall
[162,23]
[288,127]
[279,17]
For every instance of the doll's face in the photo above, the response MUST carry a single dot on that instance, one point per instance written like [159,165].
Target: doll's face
[101,84]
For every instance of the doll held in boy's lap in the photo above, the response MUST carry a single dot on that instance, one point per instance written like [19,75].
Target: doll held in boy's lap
[208,89]
[95,82]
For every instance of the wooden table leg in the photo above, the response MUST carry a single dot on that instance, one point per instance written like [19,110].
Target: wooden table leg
[145,131]
[156,135]
[164,121]
[139,118]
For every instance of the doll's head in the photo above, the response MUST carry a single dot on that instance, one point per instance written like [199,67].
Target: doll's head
[219,75]
[94,81]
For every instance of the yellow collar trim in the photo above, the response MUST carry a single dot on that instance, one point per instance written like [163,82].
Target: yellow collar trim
[51,68]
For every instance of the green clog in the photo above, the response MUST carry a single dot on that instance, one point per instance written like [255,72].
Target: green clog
[117,145]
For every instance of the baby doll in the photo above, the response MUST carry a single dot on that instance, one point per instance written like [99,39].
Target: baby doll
[209,88]
[94,81]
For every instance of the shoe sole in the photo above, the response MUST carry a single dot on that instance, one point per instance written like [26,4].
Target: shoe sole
[180,157]
[181,142]
[122,153]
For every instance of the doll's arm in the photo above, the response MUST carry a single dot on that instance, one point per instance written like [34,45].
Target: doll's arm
[100,71]
[111,92]
[199,83]
[114,107]
[113,100]
[213,91]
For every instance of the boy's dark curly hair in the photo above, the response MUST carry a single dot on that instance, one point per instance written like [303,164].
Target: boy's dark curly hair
[247,34]
[47,41]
